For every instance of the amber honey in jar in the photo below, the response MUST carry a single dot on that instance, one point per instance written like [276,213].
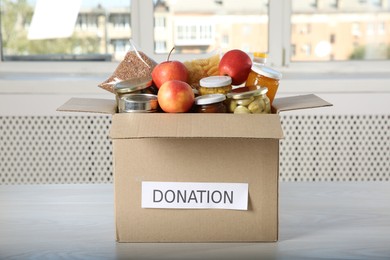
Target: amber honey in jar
[245,101]
[262,76]
[211,103]
[215,85]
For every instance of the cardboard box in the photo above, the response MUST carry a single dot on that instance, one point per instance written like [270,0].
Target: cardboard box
[195,148]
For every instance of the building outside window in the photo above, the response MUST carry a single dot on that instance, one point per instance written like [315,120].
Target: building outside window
[202,26]
[93,33]
[354,22]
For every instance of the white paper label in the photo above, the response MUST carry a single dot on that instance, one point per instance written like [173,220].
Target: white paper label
[53,19]
[195,195]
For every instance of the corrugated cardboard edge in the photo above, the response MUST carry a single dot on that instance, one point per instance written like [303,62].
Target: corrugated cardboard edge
[298,102]
[90,105]
[195,125]
[108,106]
[277,196]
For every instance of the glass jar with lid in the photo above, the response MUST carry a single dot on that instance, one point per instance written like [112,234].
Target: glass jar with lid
[210,103]
[245,101]
[262,76]
[215,85]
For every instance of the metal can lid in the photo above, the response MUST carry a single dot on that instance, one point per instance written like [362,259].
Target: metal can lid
[215,81]
[248,94]
[267,71]
[209,99]
[132,85]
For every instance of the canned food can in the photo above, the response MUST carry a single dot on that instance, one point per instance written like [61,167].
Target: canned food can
[132,86]
[138,103]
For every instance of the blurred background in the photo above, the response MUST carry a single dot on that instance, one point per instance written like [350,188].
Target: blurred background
[313,30]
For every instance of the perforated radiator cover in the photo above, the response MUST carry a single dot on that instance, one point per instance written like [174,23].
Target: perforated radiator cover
[76,149]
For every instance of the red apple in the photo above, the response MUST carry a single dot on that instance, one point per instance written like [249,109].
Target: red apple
[175,96]
[169,70]
[236,64]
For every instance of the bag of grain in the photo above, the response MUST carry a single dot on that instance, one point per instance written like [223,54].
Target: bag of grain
[135,64]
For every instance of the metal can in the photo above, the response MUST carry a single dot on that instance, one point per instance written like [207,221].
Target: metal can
[138,103]
[242,101]
[133,86]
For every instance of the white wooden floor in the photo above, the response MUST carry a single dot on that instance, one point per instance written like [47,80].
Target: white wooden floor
[317,221]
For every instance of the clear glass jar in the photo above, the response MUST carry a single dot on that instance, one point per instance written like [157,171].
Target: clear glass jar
[244,101]
[262,76]
[215,85]
[211,103]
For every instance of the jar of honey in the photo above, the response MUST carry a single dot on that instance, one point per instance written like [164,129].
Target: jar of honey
[215,85]
[211,103]
[262,76]
[244,101]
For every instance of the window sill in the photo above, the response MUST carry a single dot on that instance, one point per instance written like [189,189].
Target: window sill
[83,78]
[335,82]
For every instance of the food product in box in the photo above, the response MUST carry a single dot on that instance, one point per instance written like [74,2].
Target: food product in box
[242,101]
[215,85]
[212,103]
[132,66]
[262,76]
[202,68]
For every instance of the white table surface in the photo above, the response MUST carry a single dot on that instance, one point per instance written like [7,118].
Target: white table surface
[317,221]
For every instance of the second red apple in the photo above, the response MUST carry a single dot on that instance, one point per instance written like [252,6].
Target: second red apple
[236,64]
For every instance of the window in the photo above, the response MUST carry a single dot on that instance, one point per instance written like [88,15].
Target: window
[96,32]
[294,33]
[355,31]
[159,22]
[357,24]
[160,46]
[86,21]
[381,28]
[201,26]
[306,50]
[120,21]
[370,29]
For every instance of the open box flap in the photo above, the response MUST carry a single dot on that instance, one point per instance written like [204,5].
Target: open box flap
[298,102]
[194,125]
[91,105]
[108,106]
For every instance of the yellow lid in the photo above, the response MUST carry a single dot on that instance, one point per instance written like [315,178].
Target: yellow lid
[260,55]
